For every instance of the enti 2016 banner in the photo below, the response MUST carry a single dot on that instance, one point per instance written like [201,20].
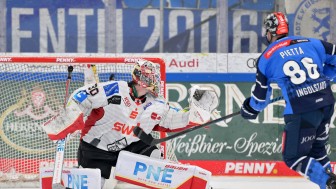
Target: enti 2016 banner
[80,26]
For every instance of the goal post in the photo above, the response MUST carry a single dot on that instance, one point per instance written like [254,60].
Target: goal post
[32,92]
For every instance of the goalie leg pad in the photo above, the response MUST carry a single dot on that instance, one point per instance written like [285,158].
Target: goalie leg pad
[148,172]
[156,154]
[71,178]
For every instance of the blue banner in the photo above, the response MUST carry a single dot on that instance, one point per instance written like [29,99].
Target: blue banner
[79,26]
[40,24]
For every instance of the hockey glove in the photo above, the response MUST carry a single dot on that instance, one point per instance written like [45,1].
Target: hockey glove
[247,112]
[67,121]
[202,102]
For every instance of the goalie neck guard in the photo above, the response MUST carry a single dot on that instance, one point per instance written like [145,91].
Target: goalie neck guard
[147,75]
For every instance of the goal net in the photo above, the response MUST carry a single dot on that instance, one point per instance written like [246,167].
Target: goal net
[33,90]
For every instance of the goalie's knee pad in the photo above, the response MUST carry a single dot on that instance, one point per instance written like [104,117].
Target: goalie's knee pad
[153,152]
[102,182]
[156,153]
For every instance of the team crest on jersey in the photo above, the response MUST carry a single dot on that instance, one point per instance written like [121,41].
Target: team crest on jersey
[312,18]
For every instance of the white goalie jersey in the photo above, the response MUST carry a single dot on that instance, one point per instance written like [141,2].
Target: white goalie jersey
[112,113]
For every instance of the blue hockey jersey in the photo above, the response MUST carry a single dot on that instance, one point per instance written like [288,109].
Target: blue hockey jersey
[302,68]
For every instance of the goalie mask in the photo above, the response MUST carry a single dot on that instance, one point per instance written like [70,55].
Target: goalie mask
[146,74]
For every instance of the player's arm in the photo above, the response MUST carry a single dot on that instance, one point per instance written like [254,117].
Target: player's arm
[90,97]
[259,98]
[81,103]
[329,68]
[201,104]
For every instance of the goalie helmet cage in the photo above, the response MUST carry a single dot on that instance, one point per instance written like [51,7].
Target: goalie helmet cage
[33,90]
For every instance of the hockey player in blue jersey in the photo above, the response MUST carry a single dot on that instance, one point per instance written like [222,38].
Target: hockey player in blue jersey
[302,67]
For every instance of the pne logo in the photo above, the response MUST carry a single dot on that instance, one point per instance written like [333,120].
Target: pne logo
[77,181]
[158,173]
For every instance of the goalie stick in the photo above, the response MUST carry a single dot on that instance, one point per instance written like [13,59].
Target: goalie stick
[59,156]
[148,139]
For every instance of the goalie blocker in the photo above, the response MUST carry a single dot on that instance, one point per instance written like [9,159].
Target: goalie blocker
[144,171]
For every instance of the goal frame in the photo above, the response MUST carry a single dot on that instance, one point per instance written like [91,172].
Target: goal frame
[65,59]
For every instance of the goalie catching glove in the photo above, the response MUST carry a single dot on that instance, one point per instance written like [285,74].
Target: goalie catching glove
[70,119]
[202,102]
[65,122]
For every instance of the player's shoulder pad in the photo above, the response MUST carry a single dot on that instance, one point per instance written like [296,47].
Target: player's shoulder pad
[115,87]
[80,96]
[329,47]
[160,100]
[164,102]
[156,104]
[156,101]
[177,109]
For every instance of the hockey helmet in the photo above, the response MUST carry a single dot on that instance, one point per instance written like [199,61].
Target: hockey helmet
[147,74]
[276,23]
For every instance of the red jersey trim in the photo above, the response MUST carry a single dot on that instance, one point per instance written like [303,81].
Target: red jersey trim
[96,114]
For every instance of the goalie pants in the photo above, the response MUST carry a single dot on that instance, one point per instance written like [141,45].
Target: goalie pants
[91,157]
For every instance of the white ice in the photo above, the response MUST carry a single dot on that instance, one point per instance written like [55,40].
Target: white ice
[261,183]
[227,182]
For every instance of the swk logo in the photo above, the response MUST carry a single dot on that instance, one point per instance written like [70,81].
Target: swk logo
[134,113]
[123,128]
